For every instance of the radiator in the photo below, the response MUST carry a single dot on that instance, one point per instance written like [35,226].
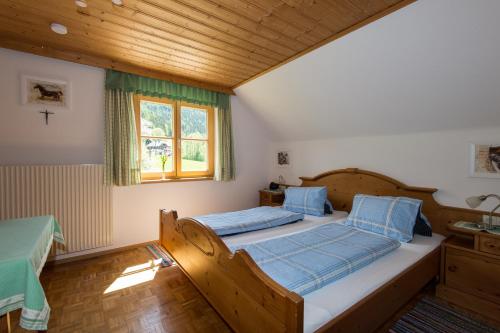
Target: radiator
[74,194]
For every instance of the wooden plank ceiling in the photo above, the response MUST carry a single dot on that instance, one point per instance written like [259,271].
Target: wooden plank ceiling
[215,44]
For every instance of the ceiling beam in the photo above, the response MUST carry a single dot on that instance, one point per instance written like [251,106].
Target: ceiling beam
[338,35]
[14,43]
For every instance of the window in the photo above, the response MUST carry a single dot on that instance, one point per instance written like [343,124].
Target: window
[175,138]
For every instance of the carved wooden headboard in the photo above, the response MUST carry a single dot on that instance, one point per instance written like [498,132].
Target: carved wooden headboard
[343,184]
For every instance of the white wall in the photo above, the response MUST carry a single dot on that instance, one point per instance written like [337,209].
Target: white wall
[73,136]
[430,66]
[76,136]
[431,159]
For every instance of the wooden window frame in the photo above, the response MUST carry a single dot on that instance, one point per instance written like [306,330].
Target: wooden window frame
[210,142]
[177,173]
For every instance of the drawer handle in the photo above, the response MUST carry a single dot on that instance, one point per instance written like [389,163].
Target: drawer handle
[452,268]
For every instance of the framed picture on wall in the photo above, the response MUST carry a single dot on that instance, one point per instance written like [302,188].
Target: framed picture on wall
[283,159]
[45,92]
[485,160]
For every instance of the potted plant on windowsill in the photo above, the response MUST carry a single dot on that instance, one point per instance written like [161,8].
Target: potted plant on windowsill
[163,159]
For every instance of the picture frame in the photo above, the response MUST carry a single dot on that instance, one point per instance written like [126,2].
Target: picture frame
[283,159]
[484,160]
[45,92]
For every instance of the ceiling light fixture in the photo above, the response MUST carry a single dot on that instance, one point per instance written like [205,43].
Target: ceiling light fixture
[59,28]
[117,2]
[81,3]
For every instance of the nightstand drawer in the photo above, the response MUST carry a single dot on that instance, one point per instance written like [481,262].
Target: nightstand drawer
[472,273]
[268,198]
[489,245]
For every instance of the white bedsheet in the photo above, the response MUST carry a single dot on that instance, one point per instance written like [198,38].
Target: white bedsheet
[328,302]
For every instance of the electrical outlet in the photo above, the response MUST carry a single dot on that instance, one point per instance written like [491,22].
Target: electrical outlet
[496,219]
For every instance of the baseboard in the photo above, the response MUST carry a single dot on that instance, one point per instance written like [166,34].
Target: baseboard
[54,261]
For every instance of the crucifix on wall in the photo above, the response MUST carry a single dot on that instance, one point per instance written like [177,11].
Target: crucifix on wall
[47,113]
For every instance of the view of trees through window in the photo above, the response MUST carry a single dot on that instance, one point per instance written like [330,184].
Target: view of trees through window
[194,144]
[157,130]
[158,135]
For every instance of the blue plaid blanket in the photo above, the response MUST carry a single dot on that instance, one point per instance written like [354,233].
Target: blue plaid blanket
[309,260]
[248,220]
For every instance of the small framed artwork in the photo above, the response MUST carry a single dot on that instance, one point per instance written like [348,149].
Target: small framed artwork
[485,160]
[45,92]
[283,159]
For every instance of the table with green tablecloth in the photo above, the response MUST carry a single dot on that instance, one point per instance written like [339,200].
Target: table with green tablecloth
[24,247]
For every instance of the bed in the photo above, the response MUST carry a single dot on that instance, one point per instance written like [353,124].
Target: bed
[250,301]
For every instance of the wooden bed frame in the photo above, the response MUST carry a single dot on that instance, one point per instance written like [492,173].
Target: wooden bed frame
[250,301]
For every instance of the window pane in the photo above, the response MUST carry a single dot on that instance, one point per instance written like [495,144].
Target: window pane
[156,119]
[152,151]
[194,123]
[194,155]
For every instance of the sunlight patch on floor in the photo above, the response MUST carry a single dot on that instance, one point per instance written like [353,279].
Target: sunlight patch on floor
[135,275]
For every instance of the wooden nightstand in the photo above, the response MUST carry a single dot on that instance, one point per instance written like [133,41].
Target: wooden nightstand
[470,271]
[271,198]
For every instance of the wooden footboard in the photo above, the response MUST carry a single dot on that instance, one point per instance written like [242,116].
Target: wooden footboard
[371,312]
[247,299]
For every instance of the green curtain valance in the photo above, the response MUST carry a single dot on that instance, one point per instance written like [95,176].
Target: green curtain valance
[159,88]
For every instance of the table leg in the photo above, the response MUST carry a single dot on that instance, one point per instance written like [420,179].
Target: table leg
[8,323]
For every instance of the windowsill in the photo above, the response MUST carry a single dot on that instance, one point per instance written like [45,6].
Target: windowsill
[173,180]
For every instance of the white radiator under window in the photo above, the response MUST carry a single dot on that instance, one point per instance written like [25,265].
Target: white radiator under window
[74,194]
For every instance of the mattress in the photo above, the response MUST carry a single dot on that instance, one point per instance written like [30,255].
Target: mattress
[326,303]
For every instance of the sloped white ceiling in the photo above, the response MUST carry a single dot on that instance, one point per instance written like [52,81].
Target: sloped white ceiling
[433,65]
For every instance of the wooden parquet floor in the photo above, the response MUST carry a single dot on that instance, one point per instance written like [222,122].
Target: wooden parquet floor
[167,303]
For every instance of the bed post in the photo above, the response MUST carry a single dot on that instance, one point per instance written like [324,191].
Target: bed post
[163,216]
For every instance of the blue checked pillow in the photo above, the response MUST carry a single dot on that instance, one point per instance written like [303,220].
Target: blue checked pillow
[306,200]
[394,217]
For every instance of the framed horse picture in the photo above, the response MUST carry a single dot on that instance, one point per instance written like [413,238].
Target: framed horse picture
[44,91]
